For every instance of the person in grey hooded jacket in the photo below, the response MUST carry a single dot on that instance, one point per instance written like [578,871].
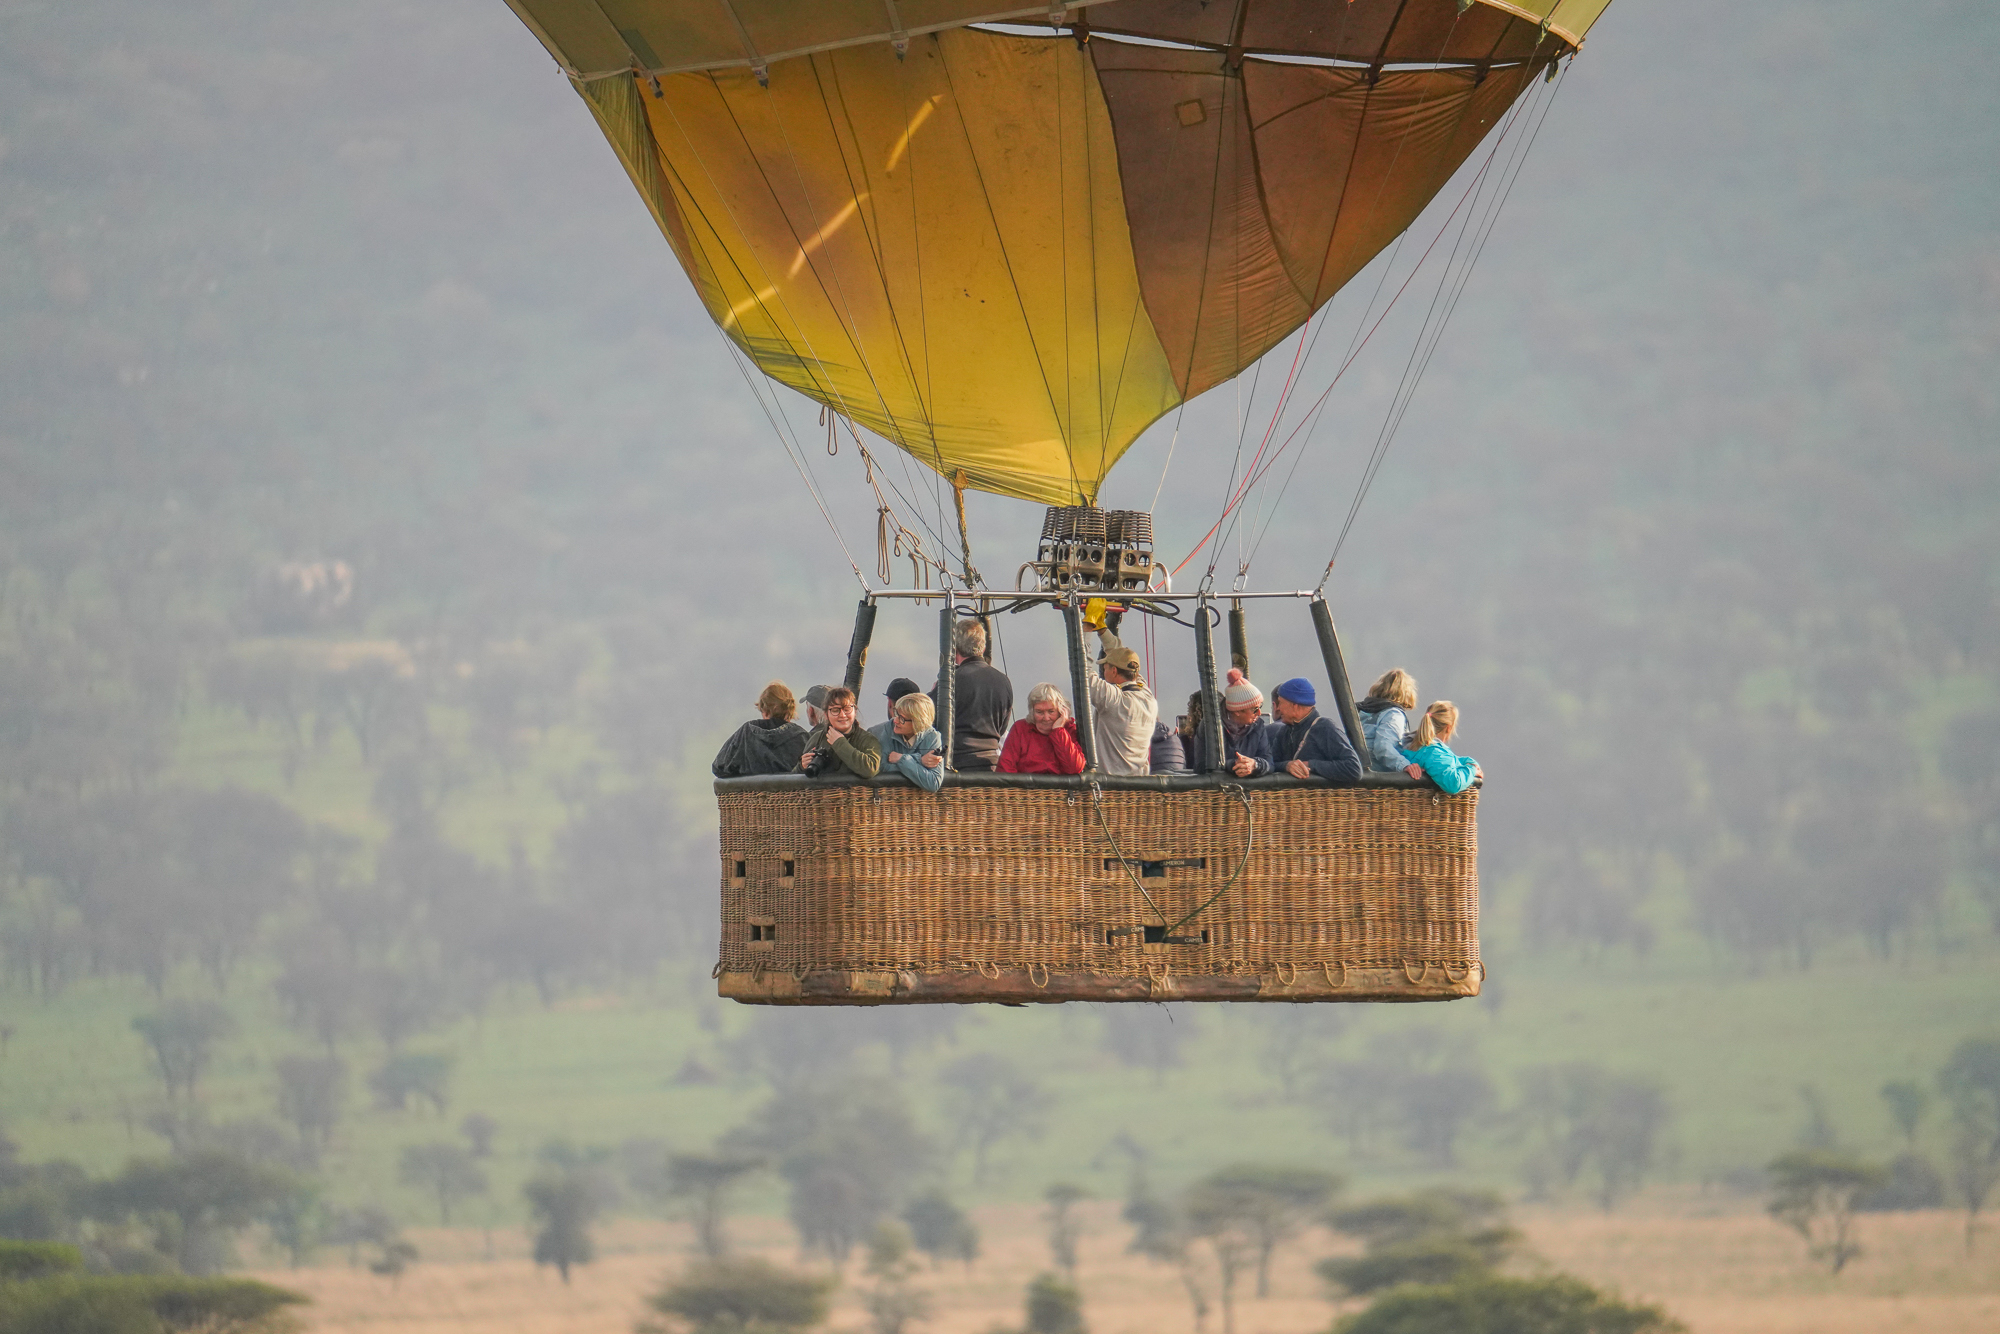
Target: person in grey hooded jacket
[1385,722]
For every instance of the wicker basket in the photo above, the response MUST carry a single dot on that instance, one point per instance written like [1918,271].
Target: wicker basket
[998,888]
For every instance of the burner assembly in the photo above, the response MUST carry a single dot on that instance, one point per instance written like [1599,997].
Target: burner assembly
[1089,550]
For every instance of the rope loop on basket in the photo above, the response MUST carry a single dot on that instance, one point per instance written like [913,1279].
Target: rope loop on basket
[1097,804]
[1284,981]
[1463,974]
[1416,979]
[982,965]
[1326,967]
[1242,794]
[716,971]
[1045,976]
[757,973]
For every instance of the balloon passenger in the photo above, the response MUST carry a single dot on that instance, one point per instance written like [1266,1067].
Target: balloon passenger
[1429,752]
[1246,738]
[1166,755]
[982,700]
[767,745]
[915,750]
[838,745]
[884,732]
[1188,729]
[815,701]
[1124,710]
[1305,744]
[1045,741]
[1385,722]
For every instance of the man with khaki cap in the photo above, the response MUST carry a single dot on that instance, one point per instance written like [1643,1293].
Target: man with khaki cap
[1124,709]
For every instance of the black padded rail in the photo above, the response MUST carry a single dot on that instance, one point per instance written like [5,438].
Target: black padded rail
[1078,782]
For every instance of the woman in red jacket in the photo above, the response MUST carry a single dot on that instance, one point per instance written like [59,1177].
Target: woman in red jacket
[1045,741]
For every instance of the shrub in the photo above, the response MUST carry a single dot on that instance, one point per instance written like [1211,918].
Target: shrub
[149,1304]
[36,1259]
[1054,1307]
[1493,1305]
[732,1296]
[1914,1183]
[1430,1260]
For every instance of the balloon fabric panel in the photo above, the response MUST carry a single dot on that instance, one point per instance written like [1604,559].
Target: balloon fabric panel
[935,246]
[1255,198]
[1364,31]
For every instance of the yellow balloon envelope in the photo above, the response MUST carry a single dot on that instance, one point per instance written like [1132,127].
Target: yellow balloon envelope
[1011,253]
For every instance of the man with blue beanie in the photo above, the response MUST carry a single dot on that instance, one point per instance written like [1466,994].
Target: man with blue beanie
[1304,744]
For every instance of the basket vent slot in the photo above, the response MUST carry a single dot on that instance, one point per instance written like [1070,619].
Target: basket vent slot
[1155,868]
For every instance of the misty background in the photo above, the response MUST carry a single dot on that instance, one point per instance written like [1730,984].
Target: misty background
[1694,517]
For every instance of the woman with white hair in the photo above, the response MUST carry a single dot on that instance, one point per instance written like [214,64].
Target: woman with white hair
[1045,741]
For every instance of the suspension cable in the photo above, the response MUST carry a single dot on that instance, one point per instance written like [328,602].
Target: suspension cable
[1398,409]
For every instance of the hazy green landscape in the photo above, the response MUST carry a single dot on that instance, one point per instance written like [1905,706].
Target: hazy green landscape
[1697,518]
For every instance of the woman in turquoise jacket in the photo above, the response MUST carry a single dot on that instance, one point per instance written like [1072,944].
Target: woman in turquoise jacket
[915,749]
[1428,751]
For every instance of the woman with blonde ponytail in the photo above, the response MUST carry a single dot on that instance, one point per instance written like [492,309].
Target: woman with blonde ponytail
[1428,749]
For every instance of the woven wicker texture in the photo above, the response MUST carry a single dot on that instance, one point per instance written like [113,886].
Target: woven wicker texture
[889,879]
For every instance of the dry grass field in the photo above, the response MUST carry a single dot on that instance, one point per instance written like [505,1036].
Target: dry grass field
[1730,1272]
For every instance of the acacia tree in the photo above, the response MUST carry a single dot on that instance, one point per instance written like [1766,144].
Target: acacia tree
[444,1169]
[848,1152]
[210,1194]
[892,1304]
[1909,1103]
[311,1090]
[991,1100]
[1970,1082]
[1061,1197]
[566,1196]
[1224,1214]
[1432,1237]
[706,1181]
[1277,1201]
[182,1035]
[941,1229]
[1584,1119]
[565,1202]
[1813,1193]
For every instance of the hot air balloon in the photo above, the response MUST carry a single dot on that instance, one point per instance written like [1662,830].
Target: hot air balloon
[1006,241]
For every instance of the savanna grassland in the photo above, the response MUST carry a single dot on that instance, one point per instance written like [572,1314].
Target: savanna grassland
[1720,1270]
[386,544]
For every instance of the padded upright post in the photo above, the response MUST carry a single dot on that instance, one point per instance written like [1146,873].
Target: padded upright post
[1079,684]
[1211,698]
[1336,671]
[857,647]
[947,686]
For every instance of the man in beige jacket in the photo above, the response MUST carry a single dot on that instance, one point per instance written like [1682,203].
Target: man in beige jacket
[1124,710]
